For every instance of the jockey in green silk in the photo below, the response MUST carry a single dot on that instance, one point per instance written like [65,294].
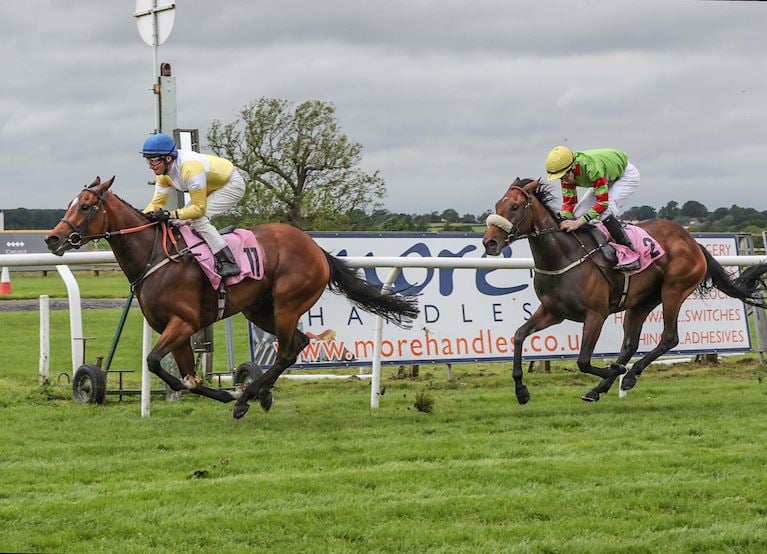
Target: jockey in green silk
[611,180]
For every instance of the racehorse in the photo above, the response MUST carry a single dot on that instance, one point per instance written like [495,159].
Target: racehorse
[574,281]
[177,300]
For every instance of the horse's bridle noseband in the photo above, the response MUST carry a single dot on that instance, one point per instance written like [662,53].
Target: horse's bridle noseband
[510,228]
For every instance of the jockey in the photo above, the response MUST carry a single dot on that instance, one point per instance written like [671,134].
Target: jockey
[611,180]
[214,185]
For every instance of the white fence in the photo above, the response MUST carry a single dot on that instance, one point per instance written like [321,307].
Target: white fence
[395,263]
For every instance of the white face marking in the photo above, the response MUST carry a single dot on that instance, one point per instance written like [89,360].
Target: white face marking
[73,202]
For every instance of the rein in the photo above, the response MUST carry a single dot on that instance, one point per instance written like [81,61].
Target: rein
[77,239]
[508,227]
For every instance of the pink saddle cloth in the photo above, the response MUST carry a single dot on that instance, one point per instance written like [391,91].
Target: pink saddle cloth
[648,249]
[245,249]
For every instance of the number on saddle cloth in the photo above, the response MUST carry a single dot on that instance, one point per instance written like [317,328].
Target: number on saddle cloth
[647,248]
[245,249]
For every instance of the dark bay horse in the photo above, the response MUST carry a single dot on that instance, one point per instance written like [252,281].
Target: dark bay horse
[573,281]
[177,300]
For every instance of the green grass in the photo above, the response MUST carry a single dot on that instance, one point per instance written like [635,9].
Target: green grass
[678,466]
[30,285]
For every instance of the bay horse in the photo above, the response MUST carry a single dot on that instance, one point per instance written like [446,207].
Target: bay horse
[177,299]
[573,281]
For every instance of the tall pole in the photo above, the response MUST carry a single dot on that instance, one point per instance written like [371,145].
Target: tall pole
[155,68]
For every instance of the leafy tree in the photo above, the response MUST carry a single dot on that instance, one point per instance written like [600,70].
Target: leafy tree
[302,169]
[669,211]
[450,215]
[639,213]
[695,209]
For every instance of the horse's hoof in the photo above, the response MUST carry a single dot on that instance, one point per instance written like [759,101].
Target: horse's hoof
[265,399]
[523,396]
[591,396]
[629,382]
[240,410]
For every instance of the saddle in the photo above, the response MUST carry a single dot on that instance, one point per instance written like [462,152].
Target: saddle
[604,243]
[647,248]
[245,248]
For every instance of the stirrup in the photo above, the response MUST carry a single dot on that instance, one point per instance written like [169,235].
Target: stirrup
[631,266]
[227,269]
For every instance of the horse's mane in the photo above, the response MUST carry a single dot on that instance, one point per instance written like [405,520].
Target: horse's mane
[142,214]
[544,195]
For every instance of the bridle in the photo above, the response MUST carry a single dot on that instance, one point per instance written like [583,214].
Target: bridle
[512,228]
[76,237]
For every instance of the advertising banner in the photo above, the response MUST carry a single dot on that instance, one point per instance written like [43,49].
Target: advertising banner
[470,315]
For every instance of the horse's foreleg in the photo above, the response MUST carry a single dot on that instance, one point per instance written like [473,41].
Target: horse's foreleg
[592,328]
[541,319]
[175,339]
[184,356]
[632,327]
[169,341]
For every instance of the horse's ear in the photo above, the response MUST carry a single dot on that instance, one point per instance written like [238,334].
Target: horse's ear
[515,183]
[96,182]
[532,185]
[107,184]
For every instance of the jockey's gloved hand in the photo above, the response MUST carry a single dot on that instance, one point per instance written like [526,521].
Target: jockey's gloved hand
[158,215]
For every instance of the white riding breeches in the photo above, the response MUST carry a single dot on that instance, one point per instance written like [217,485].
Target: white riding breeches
[618,193]
[218,203]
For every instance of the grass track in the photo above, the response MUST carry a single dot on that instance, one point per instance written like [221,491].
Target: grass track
[678,466]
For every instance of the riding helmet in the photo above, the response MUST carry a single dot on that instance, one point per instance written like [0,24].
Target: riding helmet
[159,144]
[559,161]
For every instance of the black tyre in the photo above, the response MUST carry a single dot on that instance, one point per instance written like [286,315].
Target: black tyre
[246,373]
[89,385]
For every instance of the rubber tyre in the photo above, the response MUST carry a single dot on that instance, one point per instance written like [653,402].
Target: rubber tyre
[89,385]
[246,373]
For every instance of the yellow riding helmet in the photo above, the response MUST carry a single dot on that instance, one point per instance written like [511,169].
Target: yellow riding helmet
[559,161]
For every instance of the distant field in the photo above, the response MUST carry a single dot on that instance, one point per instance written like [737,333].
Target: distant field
[107,284]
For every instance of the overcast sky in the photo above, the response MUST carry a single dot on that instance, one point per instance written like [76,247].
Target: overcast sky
[450,99]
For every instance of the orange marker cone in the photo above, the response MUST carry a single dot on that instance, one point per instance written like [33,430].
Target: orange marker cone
[5,282]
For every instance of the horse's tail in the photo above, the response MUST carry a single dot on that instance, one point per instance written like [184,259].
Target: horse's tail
[400,310]
[749,286]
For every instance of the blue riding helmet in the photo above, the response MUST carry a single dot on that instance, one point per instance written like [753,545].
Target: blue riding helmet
[159,144]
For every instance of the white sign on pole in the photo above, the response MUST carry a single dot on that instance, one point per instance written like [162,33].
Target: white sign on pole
[471,314]
[154,19]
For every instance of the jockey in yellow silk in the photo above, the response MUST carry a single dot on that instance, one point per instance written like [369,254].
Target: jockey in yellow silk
[214,186]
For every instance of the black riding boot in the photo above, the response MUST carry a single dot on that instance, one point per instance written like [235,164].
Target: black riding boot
[618,233]
[225,264]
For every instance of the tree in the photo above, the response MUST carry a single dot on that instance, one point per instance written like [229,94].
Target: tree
[695,209]
[639,213]
[669,211]
[450,215]
[302,169]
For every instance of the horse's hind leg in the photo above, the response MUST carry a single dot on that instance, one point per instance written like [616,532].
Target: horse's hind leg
[286,356]
[672,302]
[632,327]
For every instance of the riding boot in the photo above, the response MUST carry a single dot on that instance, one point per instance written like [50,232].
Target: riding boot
[225,264]
[618,233]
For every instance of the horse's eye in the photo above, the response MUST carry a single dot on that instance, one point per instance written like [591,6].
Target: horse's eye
[514,206]
[85,207]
